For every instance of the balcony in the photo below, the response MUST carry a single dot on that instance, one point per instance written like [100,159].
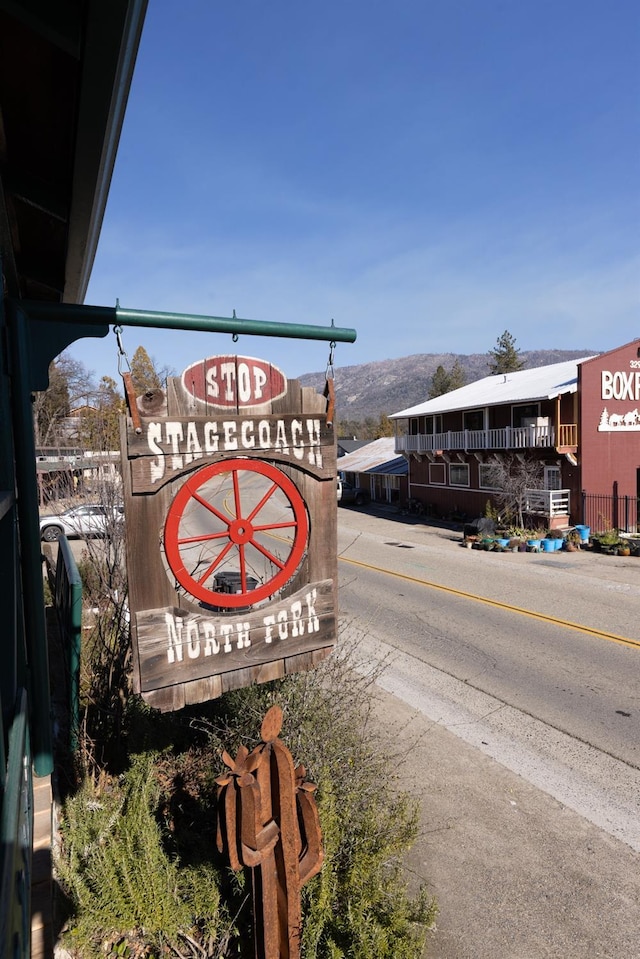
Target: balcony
[507,438]
[547,502]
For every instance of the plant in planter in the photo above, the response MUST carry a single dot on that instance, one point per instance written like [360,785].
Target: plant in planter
[606,542]
[572,541]
[532,538]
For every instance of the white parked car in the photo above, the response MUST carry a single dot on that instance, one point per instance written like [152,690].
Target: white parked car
[81,521]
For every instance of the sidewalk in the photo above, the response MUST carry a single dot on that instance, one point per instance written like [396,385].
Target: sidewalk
[516,875]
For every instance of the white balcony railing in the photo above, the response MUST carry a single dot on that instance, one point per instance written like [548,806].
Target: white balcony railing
[507,438]
[547,502]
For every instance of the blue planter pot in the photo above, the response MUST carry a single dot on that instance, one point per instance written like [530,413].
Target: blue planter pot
[548,545]
[585,532]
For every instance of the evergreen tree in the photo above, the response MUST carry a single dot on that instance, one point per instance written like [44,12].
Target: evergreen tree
[457,377]
[144,374]
[505,357]
[385,427]
[443,381]
[439,383]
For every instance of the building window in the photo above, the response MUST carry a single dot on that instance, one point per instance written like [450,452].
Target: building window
[473,420]
[413,427]
[552,477]
[484,476]
[437,474]
[525,415]
[458,474]
[433,424]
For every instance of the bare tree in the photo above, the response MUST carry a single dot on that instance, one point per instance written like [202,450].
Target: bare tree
[512,477]
[68,378]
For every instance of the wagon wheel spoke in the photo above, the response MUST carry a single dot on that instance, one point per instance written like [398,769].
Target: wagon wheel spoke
[290,524]
[254,512]
[210,507]
[265,552]
[202,538]
[239,532]
[221,555]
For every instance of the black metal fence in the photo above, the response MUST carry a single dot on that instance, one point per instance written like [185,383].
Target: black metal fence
[602,512]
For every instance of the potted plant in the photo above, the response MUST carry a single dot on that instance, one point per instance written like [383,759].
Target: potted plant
[606,542]
[572,541]
[532,539]
[548,543]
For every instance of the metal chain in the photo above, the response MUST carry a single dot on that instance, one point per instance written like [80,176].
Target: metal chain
[122,355]
[330,373]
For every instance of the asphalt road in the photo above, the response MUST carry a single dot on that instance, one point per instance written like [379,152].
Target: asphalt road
[535,724]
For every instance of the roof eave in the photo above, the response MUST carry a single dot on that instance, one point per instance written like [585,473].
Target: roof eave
[112,38]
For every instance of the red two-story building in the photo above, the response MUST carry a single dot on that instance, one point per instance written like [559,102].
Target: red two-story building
[579,419]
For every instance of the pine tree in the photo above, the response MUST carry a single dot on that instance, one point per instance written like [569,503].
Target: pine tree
[457,377]
[505,358]
[144,374]
[439,383]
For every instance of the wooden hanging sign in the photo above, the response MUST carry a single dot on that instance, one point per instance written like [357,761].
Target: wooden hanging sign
[230,507]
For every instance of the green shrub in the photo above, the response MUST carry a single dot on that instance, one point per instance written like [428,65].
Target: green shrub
[358,906]
[137,856]
[121,883]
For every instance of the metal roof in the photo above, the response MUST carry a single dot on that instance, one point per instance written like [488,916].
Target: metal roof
[541,383]
[395,467]
[348,446]
[369,457]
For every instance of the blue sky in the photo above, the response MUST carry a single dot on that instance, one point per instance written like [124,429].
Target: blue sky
[429,172]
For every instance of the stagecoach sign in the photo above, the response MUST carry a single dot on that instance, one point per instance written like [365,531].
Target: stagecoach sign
[231,532]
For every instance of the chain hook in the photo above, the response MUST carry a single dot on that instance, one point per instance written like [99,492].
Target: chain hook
[122,355]
[329,384]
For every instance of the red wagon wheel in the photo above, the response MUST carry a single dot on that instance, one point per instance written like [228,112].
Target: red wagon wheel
[235,534]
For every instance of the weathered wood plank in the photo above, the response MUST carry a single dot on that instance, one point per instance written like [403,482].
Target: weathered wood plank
[176,646]
[229,433]
[169,699]
[202,690]
[239,678]
[151,473]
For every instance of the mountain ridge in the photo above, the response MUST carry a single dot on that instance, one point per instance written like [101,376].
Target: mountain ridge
[388,386]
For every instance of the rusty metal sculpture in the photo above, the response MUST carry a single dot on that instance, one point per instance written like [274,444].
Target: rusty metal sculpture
[270,818]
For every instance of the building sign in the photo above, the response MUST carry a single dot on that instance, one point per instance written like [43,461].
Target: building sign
[233,382]
[622,387]
[231,533]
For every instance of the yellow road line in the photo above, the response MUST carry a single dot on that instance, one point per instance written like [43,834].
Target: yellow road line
[589,630]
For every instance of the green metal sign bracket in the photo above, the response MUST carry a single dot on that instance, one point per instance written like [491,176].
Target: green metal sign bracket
[55,326]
